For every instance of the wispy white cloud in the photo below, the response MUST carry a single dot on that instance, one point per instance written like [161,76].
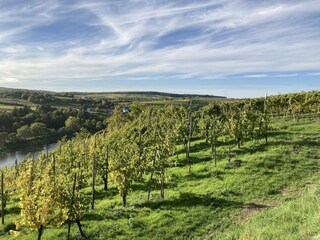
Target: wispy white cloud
[271,75]
[141,40]
[314,74]
[8,80]
[14,49]
[256,76]
[286,75]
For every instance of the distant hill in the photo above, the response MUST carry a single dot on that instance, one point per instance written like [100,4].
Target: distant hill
[4,89]
[134,94]
[147,94]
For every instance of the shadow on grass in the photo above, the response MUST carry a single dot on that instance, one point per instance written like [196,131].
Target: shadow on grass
[192,200]
[291,145]
[8,227]
[278,133]
[111,214]
[197,147]
[255,206]
[12,210]
[103,194]
[196,176]
[288,140]
[94,216]
[143,186]
[194,160]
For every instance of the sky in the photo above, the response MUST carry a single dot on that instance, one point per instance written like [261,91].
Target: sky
[233,48]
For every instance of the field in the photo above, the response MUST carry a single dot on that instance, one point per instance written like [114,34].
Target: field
[199,101]
[266,192]
[7,104]
[141,95]
[4,107]
[66,100]
[152,98]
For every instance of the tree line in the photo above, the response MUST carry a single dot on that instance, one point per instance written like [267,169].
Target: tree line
[25,124]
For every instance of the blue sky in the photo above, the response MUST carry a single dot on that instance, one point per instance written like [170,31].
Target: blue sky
[234,48]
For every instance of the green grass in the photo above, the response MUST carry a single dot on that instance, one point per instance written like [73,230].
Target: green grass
[7,104]
[199,101]
[121,95]
[273,194]
[4,107]
[296,219]
[153,98]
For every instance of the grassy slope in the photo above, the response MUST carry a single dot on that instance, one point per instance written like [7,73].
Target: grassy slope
[199,101]
[298,218]
[143,95]
[4,107]
[153,98]
[249,202]
[7,104]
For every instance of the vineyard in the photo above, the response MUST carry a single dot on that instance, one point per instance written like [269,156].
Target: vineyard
[172,172]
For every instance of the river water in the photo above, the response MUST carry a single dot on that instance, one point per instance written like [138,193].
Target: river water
[9,157]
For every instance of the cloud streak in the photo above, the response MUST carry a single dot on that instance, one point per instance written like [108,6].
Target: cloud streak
[271,75]
[8,80]
[140,40]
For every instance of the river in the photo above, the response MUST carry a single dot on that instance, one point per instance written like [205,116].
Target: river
[9,157]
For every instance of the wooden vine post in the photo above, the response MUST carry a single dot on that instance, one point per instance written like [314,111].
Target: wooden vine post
[93,175]
[47,152]
[107,169]
[163,168]
[54,170]
[213,146]
[16,167]
[72,200]
[162,182]
[152,172]
[266,119]
[83,163]
[31,173]
[2,199]
[189,136]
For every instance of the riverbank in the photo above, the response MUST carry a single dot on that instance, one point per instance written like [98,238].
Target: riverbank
[34,142]
[9,157]
[18,151]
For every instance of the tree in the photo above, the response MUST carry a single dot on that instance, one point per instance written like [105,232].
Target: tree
[123,156]
[38,204]
[208,115]
[71,198]
[117,120]
[236,126]
[24,132]
[184,124]
[38,129]
[166,132]
[72,124]
[3,137]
